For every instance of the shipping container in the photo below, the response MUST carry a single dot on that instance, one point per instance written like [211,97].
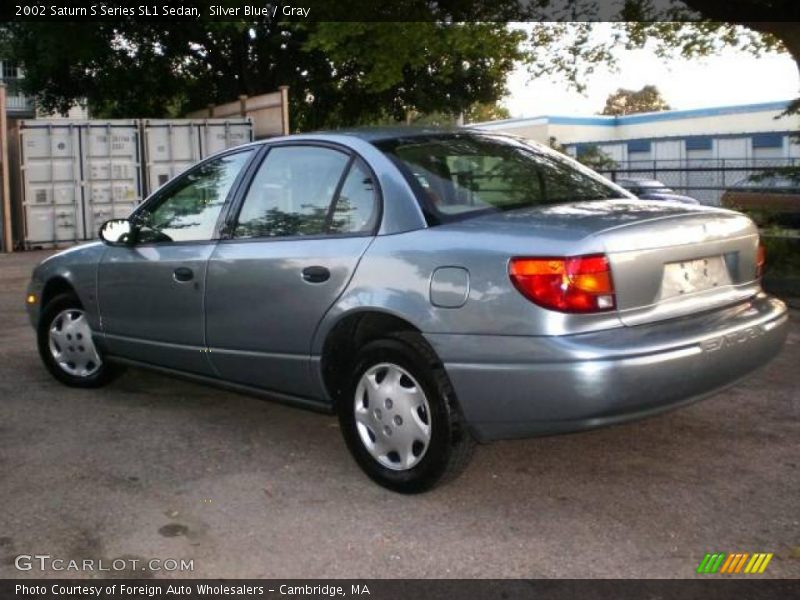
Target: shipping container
[112,174]
[172,146]
[74,175]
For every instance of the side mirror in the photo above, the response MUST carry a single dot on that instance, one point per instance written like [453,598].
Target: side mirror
[118,232]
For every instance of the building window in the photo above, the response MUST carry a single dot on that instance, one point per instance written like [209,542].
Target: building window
[698,143]
[9,70]
[768,140]
[639,146]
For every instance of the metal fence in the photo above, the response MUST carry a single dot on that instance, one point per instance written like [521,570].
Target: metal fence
[704,179]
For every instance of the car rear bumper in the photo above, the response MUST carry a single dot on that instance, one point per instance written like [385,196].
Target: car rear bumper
[518,386]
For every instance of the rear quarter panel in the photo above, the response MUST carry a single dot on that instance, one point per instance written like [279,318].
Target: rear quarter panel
[395,273]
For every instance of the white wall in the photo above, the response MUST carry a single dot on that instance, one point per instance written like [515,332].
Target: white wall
[650,126]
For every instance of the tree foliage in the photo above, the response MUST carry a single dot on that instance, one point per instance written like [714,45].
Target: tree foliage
[594,158]
[346,73]
[338,73]
[686,28]
[629,102]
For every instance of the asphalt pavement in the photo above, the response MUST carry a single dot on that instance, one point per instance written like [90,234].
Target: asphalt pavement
[157,468]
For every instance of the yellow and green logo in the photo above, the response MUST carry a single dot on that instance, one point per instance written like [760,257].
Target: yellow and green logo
[736,562]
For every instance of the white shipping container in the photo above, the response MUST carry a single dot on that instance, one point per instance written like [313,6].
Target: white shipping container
[51,179]
[172,146]
[75,175]
[112,187]
[218,134]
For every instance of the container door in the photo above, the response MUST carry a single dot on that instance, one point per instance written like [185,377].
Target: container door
[111,173]
[170,148]
[51,175]
[216,136]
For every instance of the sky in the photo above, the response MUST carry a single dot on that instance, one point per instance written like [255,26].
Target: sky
[723,80]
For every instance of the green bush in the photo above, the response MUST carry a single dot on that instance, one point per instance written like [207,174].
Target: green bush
[783,253]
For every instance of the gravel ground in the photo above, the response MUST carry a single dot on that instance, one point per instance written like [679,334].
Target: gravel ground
[152,467]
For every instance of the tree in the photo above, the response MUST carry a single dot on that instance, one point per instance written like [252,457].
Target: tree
[689,28]
[338,73]
[477,113]
[594,158]
[629,102]
[482,111]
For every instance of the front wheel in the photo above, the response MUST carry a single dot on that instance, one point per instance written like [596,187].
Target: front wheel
[67,347]
[399,416]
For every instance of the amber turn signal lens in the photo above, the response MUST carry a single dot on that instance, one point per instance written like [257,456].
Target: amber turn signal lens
[761,259]
[568,284]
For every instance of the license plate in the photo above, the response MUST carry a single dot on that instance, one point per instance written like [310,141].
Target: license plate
[689,276]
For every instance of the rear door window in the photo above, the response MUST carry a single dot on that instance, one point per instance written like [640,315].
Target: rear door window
[307,191]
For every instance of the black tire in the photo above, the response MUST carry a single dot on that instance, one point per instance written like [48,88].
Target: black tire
[50,311]
[451,445]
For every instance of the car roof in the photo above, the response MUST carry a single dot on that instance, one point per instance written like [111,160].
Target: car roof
[378,134]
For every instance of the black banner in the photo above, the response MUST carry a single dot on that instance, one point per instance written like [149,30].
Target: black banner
[399,10]
[399,589]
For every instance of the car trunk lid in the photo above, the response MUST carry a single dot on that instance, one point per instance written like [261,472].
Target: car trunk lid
[667,259]
[680,264]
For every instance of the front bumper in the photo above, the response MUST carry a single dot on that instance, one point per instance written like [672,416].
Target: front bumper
[519,386]
[34,287]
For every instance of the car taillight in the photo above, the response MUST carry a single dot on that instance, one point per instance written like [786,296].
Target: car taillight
[579,284]
[761,259]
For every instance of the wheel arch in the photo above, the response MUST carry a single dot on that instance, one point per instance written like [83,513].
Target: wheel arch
[349,333]
[54,286]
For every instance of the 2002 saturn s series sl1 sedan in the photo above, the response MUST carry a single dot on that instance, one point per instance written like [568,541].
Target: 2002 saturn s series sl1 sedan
[431,287]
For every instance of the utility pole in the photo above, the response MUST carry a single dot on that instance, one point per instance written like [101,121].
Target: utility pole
[5,188]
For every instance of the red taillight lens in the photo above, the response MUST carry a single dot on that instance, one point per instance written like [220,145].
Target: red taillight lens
[576,284]
[761,259]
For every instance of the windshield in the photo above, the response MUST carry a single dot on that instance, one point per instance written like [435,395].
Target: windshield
[461,175]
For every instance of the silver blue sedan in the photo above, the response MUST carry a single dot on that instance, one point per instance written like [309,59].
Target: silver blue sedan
[432,288]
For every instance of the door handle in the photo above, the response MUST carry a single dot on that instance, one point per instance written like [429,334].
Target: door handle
[183,274]
[316,274]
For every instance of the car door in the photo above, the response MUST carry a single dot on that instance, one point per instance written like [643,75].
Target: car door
[151,294]
[308,216]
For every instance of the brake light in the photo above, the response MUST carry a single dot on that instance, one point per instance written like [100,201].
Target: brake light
[761,259]
[579,284]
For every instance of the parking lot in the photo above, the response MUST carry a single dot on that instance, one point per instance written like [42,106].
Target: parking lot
[153,467]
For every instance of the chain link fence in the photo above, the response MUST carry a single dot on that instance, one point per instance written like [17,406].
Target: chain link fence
[704,179]
[708,179]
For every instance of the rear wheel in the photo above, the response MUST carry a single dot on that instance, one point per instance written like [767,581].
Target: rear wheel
[67,347]
[399,416]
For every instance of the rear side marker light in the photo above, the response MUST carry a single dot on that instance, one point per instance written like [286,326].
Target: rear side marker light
[579,284]
[761,259]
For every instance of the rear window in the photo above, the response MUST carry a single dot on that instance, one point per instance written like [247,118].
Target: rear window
[462,175]
[768,182]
